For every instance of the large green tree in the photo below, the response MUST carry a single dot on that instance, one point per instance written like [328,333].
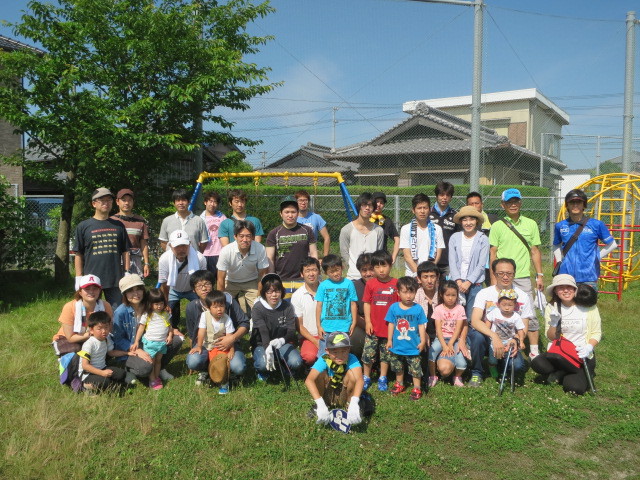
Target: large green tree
[116,93]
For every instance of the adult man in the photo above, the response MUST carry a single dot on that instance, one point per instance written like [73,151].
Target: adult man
[442,214]
[421,240]
[242,264]
[389,228]
[238,203]
[184,220]
[307,217]
[174,268]
[582,260]
[290,243]
[102,247]
[474,199]
[360,235]
[304,304]
[137,230]
[505,243]
[212,218]
[480,335]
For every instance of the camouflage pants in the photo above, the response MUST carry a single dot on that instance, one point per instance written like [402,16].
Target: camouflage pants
[373,345]
[413,364]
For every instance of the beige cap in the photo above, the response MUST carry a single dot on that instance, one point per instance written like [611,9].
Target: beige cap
[130,281]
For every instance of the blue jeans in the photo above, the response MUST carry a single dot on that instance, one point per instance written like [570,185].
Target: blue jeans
[288,352]
[200,362]
[436,348]
[518,361]
[479,344]
[470,296]
[174,304]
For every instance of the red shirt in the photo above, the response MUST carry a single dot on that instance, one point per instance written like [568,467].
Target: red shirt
[380,296]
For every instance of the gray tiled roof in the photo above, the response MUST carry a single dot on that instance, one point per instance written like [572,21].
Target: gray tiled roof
[10,44]
[419,145]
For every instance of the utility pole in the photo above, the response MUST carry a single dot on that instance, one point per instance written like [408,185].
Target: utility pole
[334,121]
[264,159]
[627,128]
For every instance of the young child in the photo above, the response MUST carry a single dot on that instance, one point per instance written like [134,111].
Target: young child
[335,379]
[93,367]
[156,333]
[214,324]
[379,294]
[508,324]
[450,318]
[407,336]
[363,264]
[336,309]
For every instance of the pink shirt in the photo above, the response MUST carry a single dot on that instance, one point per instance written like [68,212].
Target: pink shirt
[213,224]
[449,318]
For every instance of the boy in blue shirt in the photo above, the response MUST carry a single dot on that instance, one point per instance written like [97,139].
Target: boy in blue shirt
[336,297]
[336,378]
[407,336]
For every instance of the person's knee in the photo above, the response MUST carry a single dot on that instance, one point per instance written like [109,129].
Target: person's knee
[197,361]
[294,360]
[238,364]
[573,385]
[259,362]
[445,367]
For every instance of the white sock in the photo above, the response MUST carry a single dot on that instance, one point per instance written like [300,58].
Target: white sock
[534,349]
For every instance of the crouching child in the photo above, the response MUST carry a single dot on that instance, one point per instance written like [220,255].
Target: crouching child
[336,381]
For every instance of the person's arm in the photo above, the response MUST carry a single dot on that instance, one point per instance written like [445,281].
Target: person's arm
[126,260]
[366,306]
[164,288]
[456,333]
[221,280]
[271,256]
[198,348]
[310,383]
[74,337]
[536,258]
[326,241]
[144,247]
[318,318]
[345,242]
[607,249]
[354,317]
[313,250]
[493,252]
[447,350]
[390,327]
[438,255]
[478,324]
[136,341]
[422,330]
[258,238]
[396,249]
[408,260]
[88,368]
[77,263]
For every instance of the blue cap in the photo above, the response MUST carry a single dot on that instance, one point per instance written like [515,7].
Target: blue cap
[511,193]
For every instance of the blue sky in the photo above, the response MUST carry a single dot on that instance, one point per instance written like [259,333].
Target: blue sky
[367,57]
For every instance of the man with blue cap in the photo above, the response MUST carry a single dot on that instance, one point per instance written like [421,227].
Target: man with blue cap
[517,237]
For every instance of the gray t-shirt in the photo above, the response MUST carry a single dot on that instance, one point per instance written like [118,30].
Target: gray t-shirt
[195,227]
[353,243]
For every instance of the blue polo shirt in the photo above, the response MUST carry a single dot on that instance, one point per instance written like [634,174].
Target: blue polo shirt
[583,258]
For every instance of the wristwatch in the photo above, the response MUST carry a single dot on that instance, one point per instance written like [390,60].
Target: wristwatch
[540,274]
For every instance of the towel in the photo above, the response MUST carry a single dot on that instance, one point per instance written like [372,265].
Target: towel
[81,313]
[192,265]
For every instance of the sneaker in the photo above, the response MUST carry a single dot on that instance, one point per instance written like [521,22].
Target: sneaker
[493,370]
[432,381]
[166,376]
[457,382]
[416,394]
[533,355]
[202,378]
[476,381]
[263,377]
[367,383]
[156,384]
[224,389]
[130,378]
[397,389]
[383,384]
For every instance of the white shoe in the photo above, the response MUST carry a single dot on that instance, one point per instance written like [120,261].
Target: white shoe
[166,376]
[130,378]
[202,378]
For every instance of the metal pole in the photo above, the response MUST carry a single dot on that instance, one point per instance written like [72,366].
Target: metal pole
[598,156]
[474,165]
[333,148]
[541,159]
[627,131]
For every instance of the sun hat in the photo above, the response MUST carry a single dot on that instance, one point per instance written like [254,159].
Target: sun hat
[562,279]
[468,211]
[129,281]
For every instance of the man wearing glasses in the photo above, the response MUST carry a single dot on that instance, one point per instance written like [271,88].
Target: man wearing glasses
[480,335]
[517,237]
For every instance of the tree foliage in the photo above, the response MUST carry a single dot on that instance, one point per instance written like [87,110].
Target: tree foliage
[113,96]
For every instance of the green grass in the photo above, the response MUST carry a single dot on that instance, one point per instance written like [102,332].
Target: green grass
[261,432]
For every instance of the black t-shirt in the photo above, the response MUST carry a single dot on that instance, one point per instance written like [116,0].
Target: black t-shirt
[292,246]
[449,227]
[102,243]
[390,232]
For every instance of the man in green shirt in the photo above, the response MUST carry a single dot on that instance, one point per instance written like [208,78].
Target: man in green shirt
[505,243]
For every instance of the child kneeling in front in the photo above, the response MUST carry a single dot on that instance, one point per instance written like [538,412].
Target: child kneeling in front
[336,380]
[93,367]
[407,336]
[215,324]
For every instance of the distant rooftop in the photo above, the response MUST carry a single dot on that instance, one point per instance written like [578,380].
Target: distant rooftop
[496,97]
[10,44]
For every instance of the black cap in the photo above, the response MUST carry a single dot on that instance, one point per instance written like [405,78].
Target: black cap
[576,193]
[377,195]
[288,201]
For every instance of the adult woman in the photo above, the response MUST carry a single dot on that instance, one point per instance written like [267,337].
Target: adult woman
[274,327]
[125,323]
[577,320]
[468,253]
[73,318]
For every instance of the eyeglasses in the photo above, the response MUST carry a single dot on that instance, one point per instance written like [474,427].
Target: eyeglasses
[505,274]
[204,285]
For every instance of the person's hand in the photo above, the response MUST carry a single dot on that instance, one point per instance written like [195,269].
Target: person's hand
[539,283]
[77,283]
[585,350]
[464,350]
[224,343]
[512,346]
[447,350]
[389,345]
[107,372]
[554,316]
[352,329]
[321,332]
[169,338]
[322,412]
[498,348]
[271,359]
[196,349]
[133,348]
[146,271]
[369,328]
[277,343]
[316,342]
[421,346]
[353,412]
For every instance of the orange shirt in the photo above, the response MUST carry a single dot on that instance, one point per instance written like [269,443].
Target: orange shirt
[67,316]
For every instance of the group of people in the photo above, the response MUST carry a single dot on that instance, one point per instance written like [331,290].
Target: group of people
[466,294]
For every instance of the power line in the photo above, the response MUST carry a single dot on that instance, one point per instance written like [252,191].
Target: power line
[562,17]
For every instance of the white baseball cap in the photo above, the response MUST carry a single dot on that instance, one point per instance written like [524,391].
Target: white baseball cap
[179,237]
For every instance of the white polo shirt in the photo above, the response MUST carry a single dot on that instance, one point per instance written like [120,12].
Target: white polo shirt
[240,268]
[304,304]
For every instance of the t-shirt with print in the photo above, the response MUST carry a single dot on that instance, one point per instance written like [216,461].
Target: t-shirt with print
[314,220]
[213,226]
[487,300]
[336,298]
[321,365]
[380,296]
[506,328]
[445,221]
[406,334]
[136,227]
[291,247]
[97,351]
[449,318]
[102,243]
